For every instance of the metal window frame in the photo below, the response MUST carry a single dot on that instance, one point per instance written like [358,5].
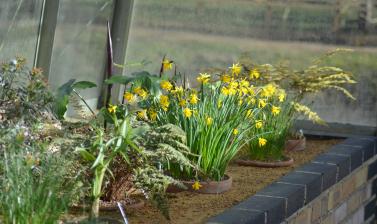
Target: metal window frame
[45,41]
[120,27]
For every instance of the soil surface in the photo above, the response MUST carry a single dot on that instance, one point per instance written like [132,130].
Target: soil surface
[186,207]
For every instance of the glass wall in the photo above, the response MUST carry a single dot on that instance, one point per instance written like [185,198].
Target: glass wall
[19,25]
[80,44]
[199,34]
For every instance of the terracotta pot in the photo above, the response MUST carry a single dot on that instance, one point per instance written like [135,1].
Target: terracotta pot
[284,163]
[207,187]
[295,144]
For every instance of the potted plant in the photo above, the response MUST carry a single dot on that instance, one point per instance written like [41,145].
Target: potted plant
[212,118]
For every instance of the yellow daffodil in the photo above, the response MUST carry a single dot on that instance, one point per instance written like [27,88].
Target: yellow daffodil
[178,90]
[258,124]
[164,102]
[112,108]
[262,142]
[236,69]
[268,90]
[194,98]
[233,85]
[235,131]
[152,115]
[261,103]
[167,64]
[244,83]
[254,74]
[187,112]
[196,186]
[209,121]
[232,91]
[166,85]
[243,91]
[240,102]
[281,97]
[203,78]
[129,97]
[249,113]
[182,103]
[142,114]
[225,78]
[275,110]
[141,92]
[225,90]
[251,100]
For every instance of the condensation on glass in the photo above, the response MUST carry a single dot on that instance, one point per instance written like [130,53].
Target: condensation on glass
[198,34]
[80,43]
[19,25]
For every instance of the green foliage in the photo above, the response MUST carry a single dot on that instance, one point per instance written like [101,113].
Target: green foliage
[275,129]
[36,185]
[64,92]
[23,94]
[143,151]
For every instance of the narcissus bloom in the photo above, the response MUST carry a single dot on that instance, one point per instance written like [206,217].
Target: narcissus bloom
[177,90]
[196,186]
[244,83]
[275,110]
[129,97]
[194,98]
[182,103]
[112,108]
[262,142]
[268,90]
[281,97]
[141,92]
[254,74]
[225,90]
[261,103]
[203,78]
[166,85]
[236,69]
[249,113]
[152,115]
[187,112]
[225,78]
[142,114]
[258,123]
[209,121]
[164,102]
[235,131]
[167,64]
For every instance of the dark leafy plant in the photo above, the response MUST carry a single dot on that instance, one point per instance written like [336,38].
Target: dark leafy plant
[65,91]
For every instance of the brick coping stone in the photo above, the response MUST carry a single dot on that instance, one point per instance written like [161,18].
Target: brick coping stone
[290,193]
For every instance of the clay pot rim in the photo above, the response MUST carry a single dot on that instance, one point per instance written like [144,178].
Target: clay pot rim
[258,163]
[226,178]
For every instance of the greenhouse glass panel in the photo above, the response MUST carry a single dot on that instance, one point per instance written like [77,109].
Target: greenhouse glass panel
[80,44]
[19,25]
[199,34]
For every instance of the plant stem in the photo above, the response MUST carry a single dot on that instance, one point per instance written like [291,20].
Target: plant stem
[84,101]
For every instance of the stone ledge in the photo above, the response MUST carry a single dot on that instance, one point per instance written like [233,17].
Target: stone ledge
[297,192]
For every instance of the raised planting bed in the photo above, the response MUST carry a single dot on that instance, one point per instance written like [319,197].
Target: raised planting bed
[338,186]
[189,207]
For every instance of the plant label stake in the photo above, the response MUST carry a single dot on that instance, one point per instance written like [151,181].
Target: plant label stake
[122,212]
